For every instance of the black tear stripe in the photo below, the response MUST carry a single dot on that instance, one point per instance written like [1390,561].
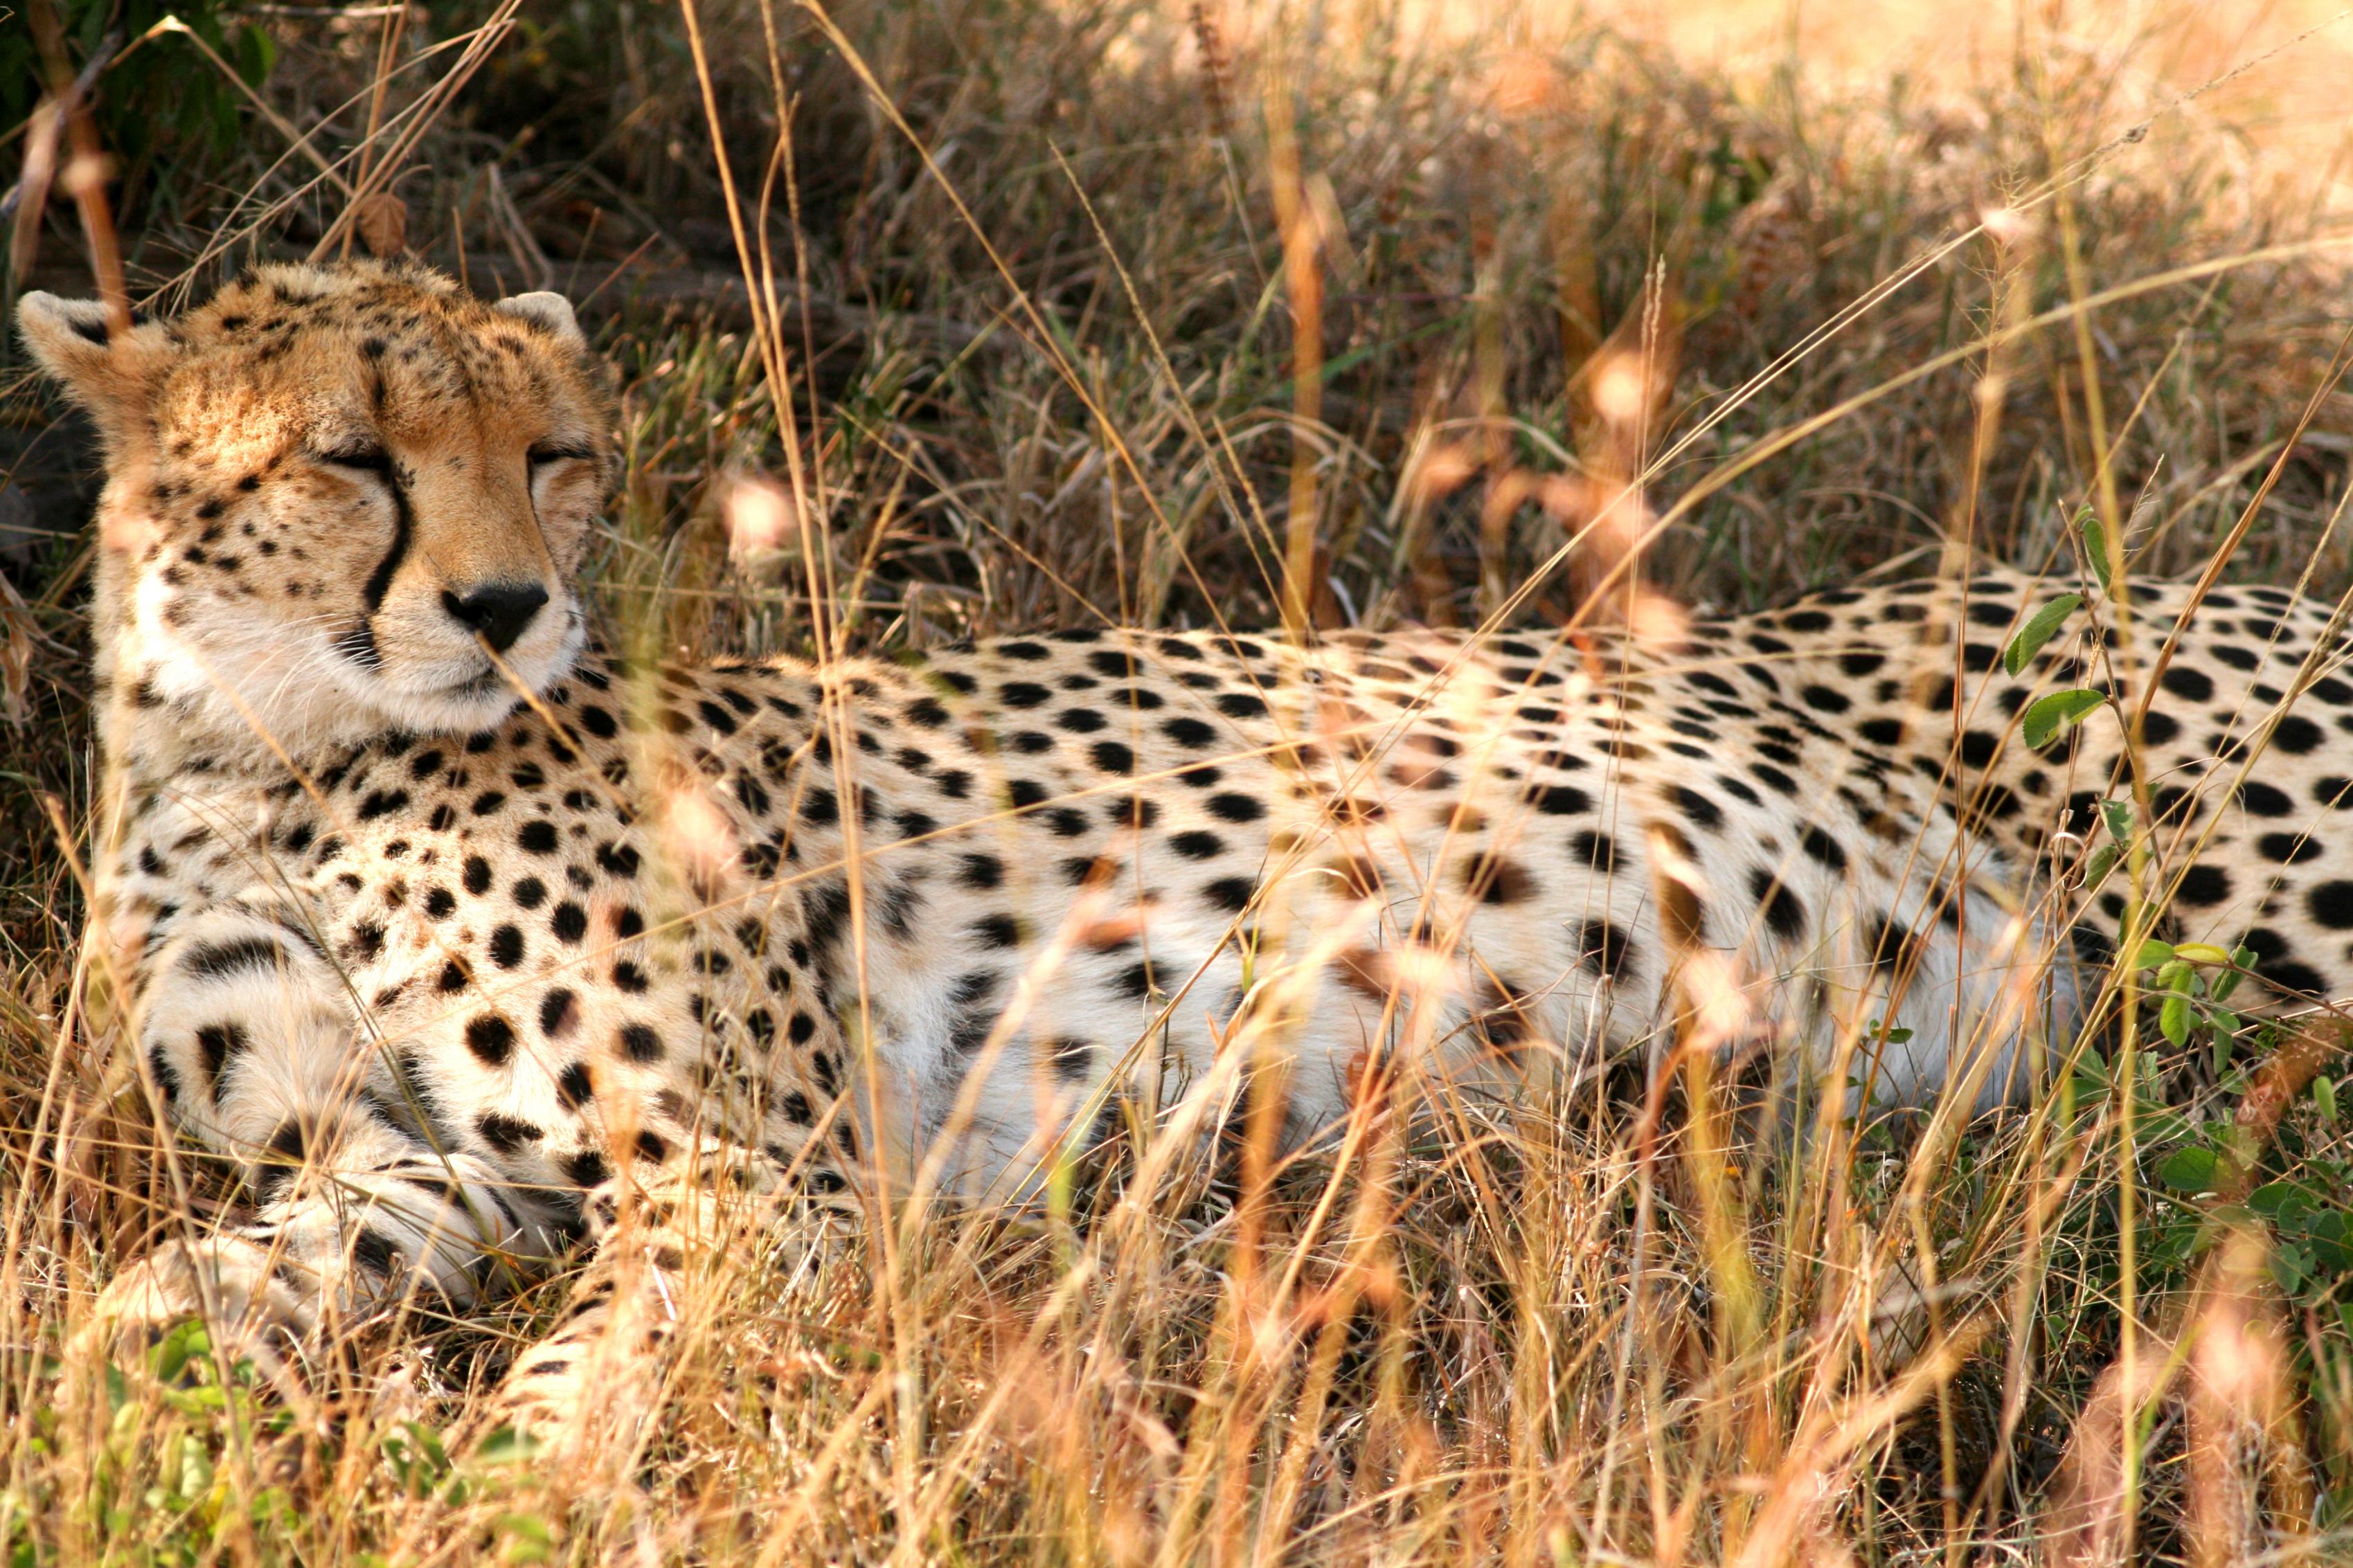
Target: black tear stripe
[379,582]
[358,644]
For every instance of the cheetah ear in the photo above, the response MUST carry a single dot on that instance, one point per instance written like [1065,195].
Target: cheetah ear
[549,314]
[104,372]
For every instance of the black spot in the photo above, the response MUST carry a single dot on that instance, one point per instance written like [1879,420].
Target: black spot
[1891,946]
[506,1133]
[572,1087]
[538,836]
[211,960]
[640,1043]
[1232,808]
[1190,732]
[981,872]
[557,1014]
[1558,800]
[1604,948]
[1784,912]
[506,946]
[2182,681]
[529,893]
[2205,886]
[1497,881]
[1699,808]
[2286,848]
[2300,978]
[587,1169]
[1197,844]
[1823,848]
[1112,758]
[490,1038]
[997,931]
[2331,904]
[1882,732]
[1117,666]
[2297,734]
[1824,699]
[216,1043]
[570,921]
[1232,894]
[366,941]
[1597,850]
[373,1251]
[2264,800]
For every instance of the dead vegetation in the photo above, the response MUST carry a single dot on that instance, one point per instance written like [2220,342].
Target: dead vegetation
[1048,311]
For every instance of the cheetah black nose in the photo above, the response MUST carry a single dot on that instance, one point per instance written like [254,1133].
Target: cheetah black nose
[499,611]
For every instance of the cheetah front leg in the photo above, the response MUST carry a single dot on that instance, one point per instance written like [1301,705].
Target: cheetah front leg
[250,1037]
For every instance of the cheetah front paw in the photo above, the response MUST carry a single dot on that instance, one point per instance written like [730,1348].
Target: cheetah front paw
[254,1303]
[692,1194]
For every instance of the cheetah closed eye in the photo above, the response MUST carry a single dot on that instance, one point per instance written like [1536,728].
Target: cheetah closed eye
[438,918]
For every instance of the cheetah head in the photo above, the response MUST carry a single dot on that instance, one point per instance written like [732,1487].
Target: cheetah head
[337,498]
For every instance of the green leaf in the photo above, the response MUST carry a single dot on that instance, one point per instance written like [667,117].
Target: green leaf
[186,1342]
[2190,1170]
[2173,1020]
[2242,959]
[2152,953]
[2103,861]
[2046,716]
[257,56]
[2039,631]
[2096,546]
[2324,1095]
[2116,815]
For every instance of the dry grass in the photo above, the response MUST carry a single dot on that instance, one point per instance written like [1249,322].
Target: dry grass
[1040,264]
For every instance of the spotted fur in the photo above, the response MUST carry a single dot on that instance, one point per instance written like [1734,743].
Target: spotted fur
[440,920]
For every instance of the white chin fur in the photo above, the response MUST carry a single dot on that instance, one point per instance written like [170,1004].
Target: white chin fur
[454,705]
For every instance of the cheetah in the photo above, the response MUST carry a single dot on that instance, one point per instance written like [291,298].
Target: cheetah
[438,919]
